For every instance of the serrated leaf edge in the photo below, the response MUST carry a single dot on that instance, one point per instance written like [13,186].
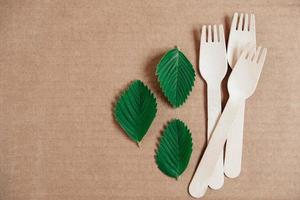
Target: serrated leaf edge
[164,91]
[159,143]
[118,99]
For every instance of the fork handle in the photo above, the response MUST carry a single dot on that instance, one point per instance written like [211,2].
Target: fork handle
[205,169]
[214,110]
[234,146]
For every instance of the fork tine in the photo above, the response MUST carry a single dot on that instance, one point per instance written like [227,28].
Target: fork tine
[209,34]
[246,23]
[244,53]
[255,59]
[247,51]
[240,26]
[203,34]
[251,53]
[262,57]
[234,21]
[252,23]
[215,34]
[221,34]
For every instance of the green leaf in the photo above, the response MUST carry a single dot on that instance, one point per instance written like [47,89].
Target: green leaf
[135,110]
[176,76]
[175,149]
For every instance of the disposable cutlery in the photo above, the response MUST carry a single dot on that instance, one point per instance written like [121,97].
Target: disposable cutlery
[241,85]
[242,33]
[213,67]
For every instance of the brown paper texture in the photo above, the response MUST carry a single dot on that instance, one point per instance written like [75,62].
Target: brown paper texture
[64,63]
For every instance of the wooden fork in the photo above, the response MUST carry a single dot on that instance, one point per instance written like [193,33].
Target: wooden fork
[241,85]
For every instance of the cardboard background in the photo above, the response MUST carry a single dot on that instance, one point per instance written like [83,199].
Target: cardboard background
[63,63]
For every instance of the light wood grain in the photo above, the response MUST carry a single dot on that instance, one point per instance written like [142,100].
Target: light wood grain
[63,63]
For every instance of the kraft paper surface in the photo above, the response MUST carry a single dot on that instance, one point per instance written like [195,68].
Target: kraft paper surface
[64,63]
